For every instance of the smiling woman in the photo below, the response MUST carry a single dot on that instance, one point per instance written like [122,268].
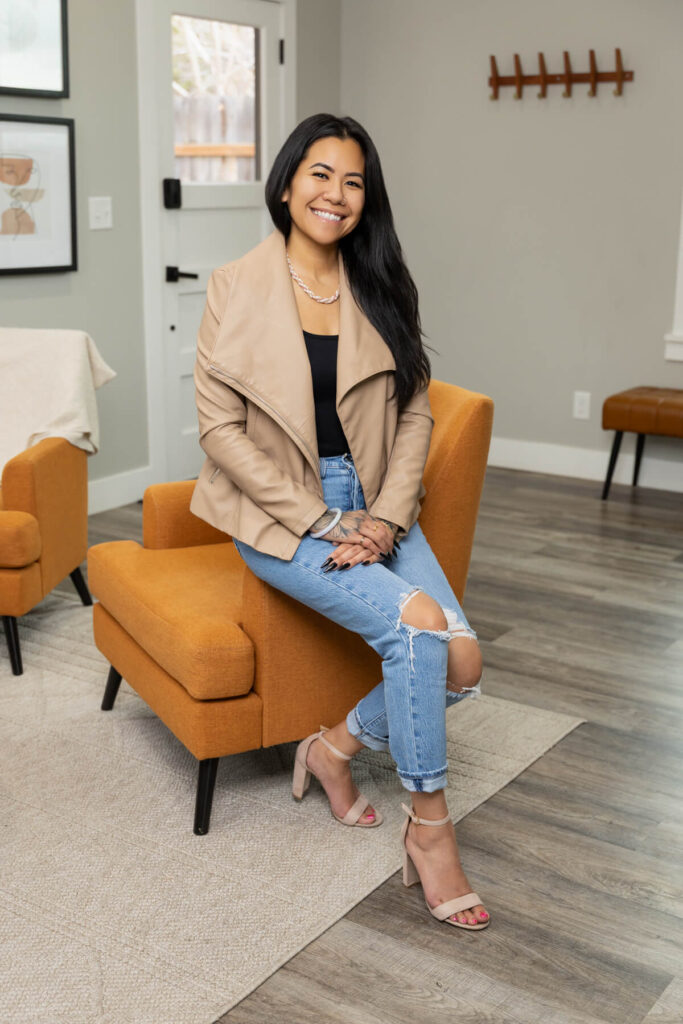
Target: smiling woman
[325,199]
[331,165]
[345,432]
[330,190]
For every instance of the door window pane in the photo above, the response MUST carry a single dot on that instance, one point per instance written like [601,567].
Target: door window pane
[215,101]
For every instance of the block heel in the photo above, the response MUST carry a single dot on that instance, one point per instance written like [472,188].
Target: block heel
[301,780]
[443,911]
[410,875]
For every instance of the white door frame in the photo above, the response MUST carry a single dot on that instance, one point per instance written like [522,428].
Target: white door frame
[151,212]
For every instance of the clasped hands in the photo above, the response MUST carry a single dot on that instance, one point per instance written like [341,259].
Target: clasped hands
[359,538]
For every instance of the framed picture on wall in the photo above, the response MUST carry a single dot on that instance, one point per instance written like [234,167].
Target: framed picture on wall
[37,194]
[34,49]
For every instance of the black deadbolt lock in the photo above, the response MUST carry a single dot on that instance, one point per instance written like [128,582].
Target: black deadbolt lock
[172,199]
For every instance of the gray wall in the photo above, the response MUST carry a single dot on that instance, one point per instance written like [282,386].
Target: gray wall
[104,296]
[542,234]
[318,57]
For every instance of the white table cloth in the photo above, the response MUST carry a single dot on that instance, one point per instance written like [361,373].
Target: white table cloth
[48,380]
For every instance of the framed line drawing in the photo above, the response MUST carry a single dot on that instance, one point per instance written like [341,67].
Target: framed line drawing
[37,194]
[34,48]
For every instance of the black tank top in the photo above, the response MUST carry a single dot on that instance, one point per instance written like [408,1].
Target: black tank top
[322,355]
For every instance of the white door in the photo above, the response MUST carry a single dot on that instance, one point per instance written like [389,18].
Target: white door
[219,110]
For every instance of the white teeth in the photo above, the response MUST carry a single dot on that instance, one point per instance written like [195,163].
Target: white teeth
[326,216]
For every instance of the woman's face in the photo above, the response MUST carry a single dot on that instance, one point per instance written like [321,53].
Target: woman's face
[330,178]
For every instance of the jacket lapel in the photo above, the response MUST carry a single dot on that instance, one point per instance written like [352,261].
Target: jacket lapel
[260,342]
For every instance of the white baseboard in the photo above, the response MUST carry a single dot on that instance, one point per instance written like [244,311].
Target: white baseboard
[533,456]
[586,463]
[119,489]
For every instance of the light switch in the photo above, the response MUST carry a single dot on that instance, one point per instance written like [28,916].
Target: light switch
[100,212]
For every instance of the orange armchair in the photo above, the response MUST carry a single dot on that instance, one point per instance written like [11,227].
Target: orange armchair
[43,530]
[229,663]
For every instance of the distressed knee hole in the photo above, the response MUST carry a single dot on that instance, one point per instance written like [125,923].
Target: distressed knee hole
[424,612]
[430,619]
[457,626]
[473,691]
[456,686]
[403,601]
[471,674]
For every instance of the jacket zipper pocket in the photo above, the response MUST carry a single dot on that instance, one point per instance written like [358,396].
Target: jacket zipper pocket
[276,415]
[215,472]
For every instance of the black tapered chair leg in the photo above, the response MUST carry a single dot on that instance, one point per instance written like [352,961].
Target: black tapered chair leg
[12,637]
[612,462]
[640,444]
[111,689]
[205,787]
[81,586]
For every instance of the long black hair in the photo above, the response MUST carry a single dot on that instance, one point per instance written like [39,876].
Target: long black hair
[379,279]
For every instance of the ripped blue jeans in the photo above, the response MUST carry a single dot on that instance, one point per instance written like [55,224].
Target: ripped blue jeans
[405,713]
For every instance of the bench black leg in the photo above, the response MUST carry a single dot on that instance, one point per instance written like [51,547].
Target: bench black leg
[111,689]
[640,444]
[612,462]
[81,586]
[205,786]
[12,637]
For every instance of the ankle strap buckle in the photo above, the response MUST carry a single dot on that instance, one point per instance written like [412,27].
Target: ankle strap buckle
[411,814]
[330,746]
[424,821]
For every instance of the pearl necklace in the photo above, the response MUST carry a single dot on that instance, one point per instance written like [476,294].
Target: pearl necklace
[318,298]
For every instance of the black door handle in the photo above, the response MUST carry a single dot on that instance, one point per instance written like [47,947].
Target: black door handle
[173,274]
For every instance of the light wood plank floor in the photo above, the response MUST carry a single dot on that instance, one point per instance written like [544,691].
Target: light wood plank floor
[578,605]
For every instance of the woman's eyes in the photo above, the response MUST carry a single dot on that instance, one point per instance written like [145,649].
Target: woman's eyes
[356,183]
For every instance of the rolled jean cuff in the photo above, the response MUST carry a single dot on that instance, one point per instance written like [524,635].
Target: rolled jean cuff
[363,734]
[427,784]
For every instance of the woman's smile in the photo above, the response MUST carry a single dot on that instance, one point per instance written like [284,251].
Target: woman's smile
[332,218]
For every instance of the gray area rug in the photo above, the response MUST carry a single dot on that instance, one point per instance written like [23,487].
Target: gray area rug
[112,910]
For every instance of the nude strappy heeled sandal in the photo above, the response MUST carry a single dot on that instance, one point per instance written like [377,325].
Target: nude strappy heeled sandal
[302,778]
[443,911]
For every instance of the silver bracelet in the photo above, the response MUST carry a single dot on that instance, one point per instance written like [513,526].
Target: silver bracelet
[326,529]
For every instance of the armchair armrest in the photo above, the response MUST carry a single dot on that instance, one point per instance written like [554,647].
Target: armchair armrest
[454,476]
[49,481]
[20,543]
[333,668]
[167,521]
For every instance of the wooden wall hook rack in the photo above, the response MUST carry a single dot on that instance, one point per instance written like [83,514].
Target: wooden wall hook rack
[567,78]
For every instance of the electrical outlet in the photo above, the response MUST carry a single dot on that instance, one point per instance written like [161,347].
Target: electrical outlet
[582,405]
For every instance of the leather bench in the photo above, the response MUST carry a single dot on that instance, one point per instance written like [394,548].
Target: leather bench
[643,410]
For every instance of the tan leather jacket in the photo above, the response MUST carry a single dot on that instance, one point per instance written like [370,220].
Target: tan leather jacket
[260,481]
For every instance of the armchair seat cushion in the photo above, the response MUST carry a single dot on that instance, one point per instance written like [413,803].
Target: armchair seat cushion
[183,606]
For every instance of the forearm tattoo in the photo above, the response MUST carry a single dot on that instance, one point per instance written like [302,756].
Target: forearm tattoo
[349,523]
[320,524]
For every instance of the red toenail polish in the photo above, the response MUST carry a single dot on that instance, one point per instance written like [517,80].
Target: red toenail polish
[483,914]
